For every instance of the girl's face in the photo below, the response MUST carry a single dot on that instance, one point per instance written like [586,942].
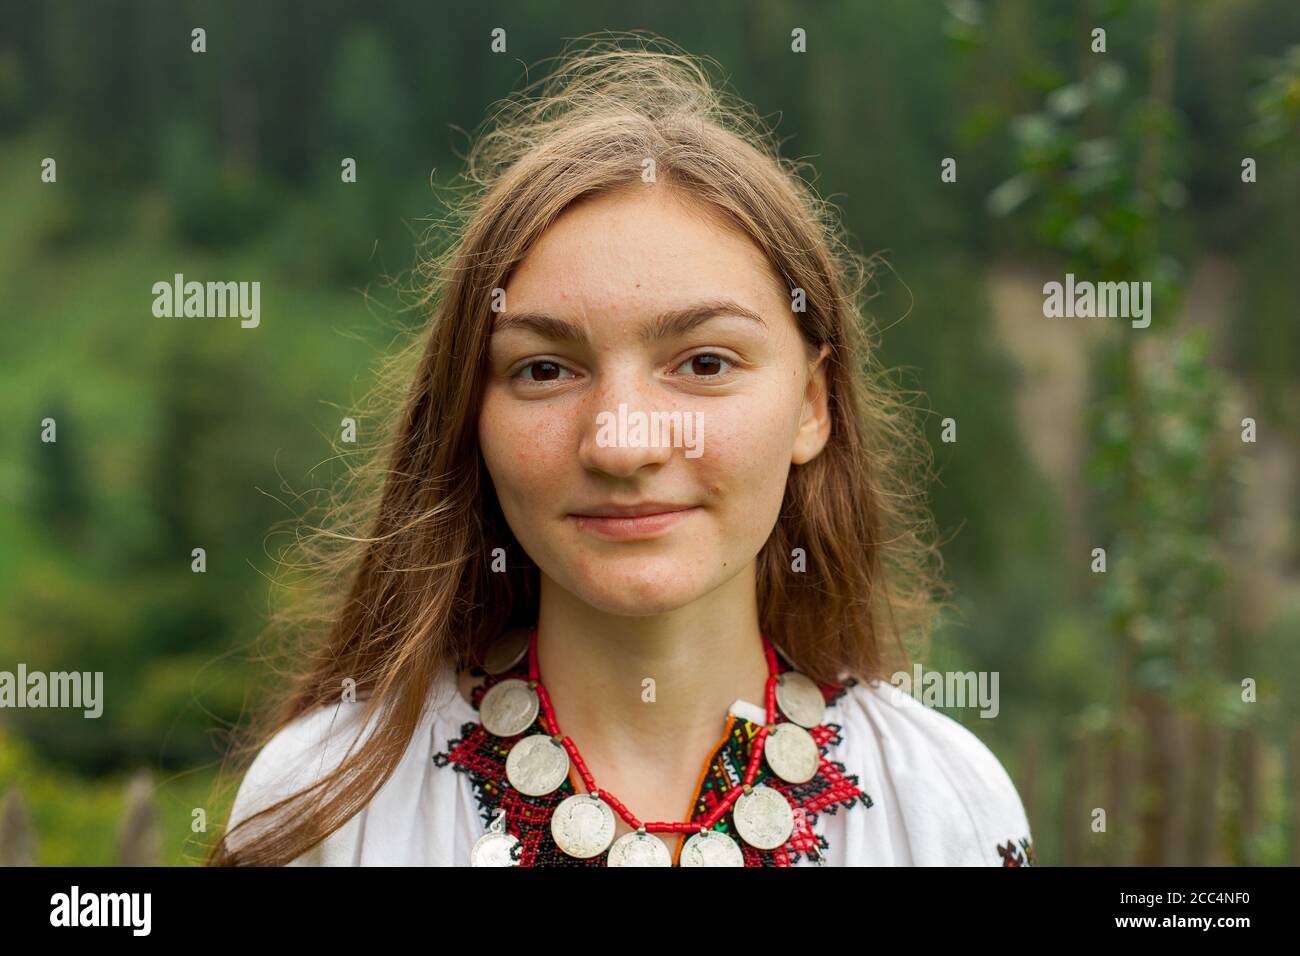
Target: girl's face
[635,303]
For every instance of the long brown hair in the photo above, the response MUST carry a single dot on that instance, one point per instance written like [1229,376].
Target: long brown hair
[402,573]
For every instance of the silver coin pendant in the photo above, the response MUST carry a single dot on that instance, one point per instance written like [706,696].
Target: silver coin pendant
[800,699]
[639,849]
[763,818]
[508,708]
[496,847]
[792,753]
[711,848]
[537,765]
[507,650]
[583,826]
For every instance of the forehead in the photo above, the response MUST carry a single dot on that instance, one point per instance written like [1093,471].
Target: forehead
[641,251]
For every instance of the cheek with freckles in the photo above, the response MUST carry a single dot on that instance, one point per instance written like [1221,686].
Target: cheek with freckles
[746,463]
[521,437]
[527,455]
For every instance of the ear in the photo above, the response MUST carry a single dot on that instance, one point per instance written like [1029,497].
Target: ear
[815,422]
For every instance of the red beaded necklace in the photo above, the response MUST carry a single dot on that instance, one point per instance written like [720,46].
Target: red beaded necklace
[773,670]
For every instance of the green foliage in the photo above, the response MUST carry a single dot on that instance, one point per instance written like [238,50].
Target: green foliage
[214,203]
[78,821]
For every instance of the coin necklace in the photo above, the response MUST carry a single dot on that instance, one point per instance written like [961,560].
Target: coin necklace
[583,824]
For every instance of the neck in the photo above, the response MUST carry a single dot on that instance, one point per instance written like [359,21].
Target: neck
[701,658]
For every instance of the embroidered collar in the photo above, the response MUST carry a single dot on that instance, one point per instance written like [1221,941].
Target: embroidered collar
[482,757]
[1022,855]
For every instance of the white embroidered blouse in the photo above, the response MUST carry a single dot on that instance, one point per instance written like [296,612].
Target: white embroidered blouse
[899,784]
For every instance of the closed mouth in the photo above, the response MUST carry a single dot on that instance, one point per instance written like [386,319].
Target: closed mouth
[642,521]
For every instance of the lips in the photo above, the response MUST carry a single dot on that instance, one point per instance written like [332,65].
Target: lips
[631,511]
[632,522]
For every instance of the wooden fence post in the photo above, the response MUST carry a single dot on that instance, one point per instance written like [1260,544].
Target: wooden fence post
[139,842]
[17,838]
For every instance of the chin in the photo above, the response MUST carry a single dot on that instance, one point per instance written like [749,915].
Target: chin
[639,589]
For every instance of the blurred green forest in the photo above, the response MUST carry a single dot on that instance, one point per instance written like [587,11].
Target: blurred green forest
[1120,690]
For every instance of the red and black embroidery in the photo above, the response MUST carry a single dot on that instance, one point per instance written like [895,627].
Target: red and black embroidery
[1022,855]
[826,792]
[482,757]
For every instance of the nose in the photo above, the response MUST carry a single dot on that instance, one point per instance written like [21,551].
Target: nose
[619,435]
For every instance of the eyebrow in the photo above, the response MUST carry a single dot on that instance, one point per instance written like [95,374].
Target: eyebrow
[676,322]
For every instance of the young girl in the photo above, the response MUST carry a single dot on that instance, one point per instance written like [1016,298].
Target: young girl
[650,537]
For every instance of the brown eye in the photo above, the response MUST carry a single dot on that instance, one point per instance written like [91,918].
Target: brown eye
[542,372]
[705,365]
